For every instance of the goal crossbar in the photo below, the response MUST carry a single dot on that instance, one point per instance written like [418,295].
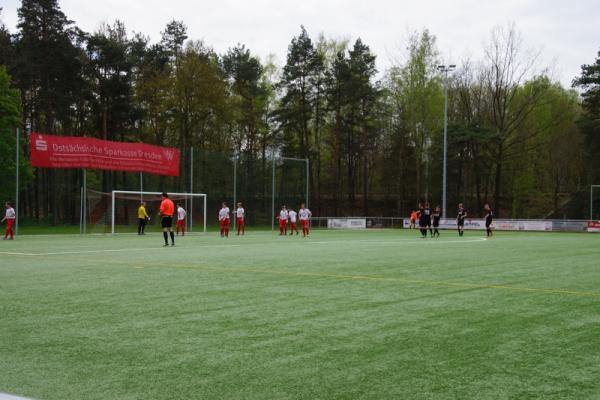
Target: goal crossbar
[142,193]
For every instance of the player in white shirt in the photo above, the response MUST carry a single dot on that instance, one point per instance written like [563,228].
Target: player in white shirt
[305,215]
[9,216]
[180,224]
[224,220]
[240,215]
[283,220]
[293,214]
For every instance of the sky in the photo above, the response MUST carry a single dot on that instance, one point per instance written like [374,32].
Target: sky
[567,33]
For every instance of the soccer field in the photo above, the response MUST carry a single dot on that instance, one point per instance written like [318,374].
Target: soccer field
[342,315]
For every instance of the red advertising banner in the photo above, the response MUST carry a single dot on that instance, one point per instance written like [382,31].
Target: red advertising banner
[593,226]
[50,151]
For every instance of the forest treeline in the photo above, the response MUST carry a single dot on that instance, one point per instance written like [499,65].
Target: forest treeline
[517,138]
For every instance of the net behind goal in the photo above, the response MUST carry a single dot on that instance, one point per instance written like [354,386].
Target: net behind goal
[117,211]
[124,206]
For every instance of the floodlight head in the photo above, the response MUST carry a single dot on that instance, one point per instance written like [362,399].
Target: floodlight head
[452,66]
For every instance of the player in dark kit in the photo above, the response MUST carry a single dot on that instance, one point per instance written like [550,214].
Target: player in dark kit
[424,220]
[437,215]
[428,215]
[489,217]
[460,219]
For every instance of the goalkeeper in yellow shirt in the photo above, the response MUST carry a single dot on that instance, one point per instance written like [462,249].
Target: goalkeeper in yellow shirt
[143,217]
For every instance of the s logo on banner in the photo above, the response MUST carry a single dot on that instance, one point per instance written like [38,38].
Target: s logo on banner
[41,144]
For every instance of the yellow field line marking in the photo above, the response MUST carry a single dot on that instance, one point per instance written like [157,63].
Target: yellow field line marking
[463,285]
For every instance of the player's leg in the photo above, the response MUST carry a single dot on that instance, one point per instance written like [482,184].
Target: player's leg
[423,229]
[9,229]
[164,225]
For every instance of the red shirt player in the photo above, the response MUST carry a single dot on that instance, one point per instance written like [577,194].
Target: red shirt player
[283,219]
[10,216]
[224,220]
[240,221]
[305,215]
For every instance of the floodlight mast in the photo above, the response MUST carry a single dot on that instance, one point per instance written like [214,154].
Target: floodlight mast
[445,69]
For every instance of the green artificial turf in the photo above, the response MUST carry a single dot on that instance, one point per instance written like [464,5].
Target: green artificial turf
[342,315]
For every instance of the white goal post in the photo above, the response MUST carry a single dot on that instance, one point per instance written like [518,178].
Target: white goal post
[191,196]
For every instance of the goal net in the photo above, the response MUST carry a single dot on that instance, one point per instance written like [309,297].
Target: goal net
[117,211]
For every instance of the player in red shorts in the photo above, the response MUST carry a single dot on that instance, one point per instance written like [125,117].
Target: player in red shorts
[240,215]
[283,219]
[224,220]
[180,224]
[10,216]
[305,215]
[293,227]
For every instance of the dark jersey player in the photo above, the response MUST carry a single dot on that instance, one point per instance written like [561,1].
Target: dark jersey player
[489,217]
[436,216]
[460,219]
[428,215]
[424,219]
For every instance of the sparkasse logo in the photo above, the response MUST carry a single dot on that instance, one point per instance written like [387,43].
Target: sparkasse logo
[41,144]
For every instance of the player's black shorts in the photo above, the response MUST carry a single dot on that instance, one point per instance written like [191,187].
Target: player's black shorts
[488,222]
[460,223]
[436,224]
[166,221]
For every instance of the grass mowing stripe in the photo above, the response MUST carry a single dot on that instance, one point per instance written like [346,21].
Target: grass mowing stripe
[463,285]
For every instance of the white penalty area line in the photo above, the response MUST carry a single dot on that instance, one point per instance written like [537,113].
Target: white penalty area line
[80,252]
[371,242]
[6,396]
[397,241]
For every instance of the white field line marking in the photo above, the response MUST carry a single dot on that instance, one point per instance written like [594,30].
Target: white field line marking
[385,242]
[60,253]
[6,396]
[374,242]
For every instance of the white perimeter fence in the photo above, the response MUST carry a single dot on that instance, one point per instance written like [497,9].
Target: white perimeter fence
[533,225]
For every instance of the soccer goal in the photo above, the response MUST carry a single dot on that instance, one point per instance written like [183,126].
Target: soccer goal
[125,203]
